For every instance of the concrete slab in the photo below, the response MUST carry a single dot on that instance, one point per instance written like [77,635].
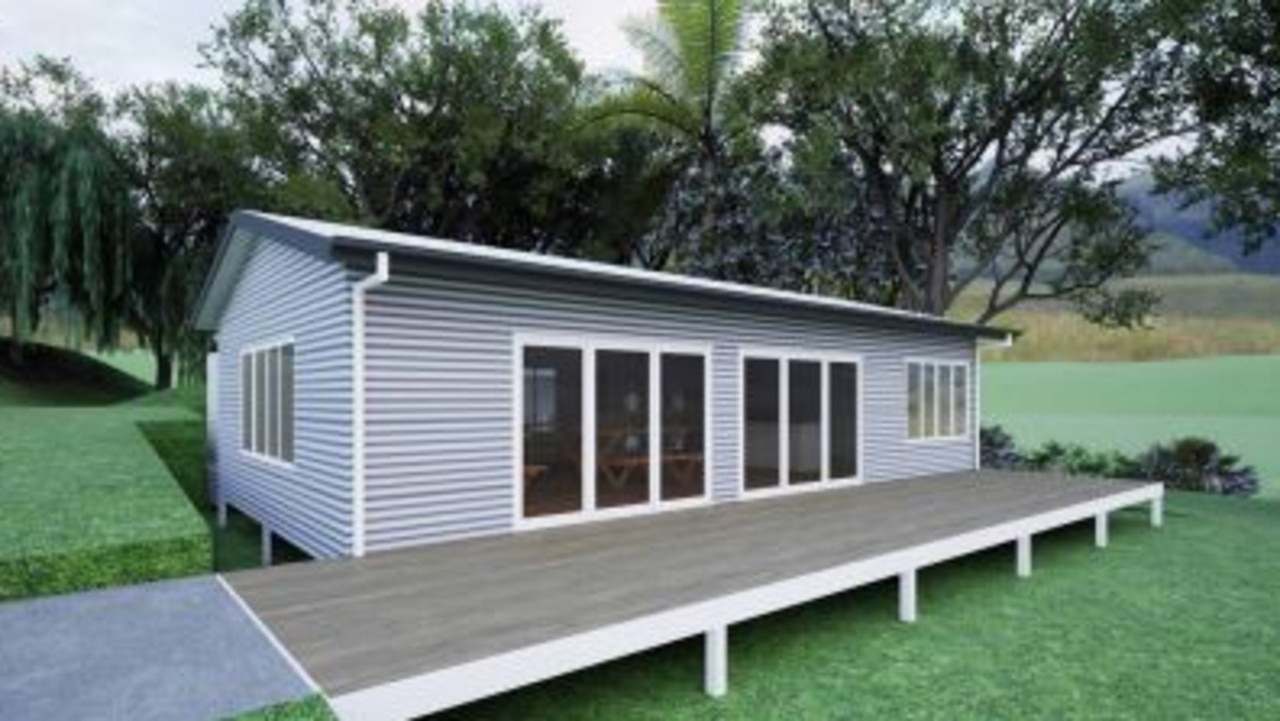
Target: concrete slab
[167,651]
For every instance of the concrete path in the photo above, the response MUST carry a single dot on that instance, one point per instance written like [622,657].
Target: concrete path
[167,651]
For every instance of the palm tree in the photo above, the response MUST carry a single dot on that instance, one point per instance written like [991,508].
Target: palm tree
[691,49]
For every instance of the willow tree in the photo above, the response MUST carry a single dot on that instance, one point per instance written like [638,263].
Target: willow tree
[64,225]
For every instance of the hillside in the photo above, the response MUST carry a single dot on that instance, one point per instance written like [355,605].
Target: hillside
[1193,225]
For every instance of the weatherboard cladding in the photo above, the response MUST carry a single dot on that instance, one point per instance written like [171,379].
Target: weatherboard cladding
[440,374]
[284,293]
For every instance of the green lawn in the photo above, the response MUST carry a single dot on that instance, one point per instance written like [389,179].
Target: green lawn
[1177,623]
[1128,406]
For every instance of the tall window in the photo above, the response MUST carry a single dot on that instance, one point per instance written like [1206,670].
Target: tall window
[611,428]
[800,421]
[266,402]
[552,431]
[937,400]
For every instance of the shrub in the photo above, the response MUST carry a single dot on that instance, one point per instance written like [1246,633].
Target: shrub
[1189,464]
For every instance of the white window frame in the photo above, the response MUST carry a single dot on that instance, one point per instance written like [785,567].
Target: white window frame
[588,346]
[253,350]
[970,412]
[784,356]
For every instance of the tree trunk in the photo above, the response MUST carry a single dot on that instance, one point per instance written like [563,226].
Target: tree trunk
[164,368]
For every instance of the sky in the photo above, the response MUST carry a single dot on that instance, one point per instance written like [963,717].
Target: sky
[118,43]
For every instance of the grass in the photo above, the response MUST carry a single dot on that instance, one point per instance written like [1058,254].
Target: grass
[1129,406]
[1176,623]
[88,504]
[312,708]
[1200,316]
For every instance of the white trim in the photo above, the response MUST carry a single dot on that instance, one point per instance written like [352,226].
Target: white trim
[456,685]
[824,358]
[589,346]
[381,274]
[975,416]
[271,637]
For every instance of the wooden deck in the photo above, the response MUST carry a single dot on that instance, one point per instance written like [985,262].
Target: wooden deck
[415,631]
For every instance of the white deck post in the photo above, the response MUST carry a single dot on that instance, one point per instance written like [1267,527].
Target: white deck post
[1024,556]
[222,514]
[1100,534]
[716,681]
[266,546]
[907,596]
[1157,512]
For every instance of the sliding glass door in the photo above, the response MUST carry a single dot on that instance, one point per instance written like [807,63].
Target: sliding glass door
[610,428]
[800,417]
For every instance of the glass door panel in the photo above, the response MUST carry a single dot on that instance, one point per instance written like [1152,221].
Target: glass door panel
[683,426]
[552,431]
[622,428]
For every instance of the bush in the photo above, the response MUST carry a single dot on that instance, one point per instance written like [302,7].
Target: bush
[1189,464]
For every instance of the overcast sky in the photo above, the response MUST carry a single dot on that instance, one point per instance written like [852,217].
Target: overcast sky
[122,42]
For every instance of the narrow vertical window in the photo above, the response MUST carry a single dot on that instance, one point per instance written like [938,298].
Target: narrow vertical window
[763,414]
[259,403]
[683,426]
[945,390]
[246,402]
[286,403]
[930,401]
[915,400]
[804,420]
[552,431]
[272,377]
[842,388]
[622,428]
[962,401]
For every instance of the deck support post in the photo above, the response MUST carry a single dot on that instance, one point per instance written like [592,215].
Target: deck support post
[1157,512]
[1100,530]
[716,681]
[1024,556]
[266,546]
[907,596]
[222,514]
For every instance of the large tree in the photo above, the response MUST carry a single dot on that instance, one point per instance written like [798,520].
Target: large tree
[980,136]
[449,122]
[189,166]
[1234,164]
[64,205]
[691,51]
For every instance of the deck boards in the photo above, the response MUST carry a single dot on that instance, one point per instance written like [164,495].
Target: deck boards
[355,624]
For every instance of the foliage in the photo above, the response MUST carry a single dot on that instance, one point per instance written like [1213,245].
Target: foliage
[64,205]
[189,166]
[1187,464]
[1234,84]
[101,512]
[691,51]
[450,122]
[977,137]
[311,708]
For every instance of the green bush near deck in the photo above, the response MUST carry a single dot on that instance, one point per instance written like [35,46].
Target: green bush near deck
[88,504]
[312,708]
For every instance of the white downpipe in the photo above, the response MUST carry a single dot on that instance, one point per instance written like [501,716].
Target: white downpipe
[381,274]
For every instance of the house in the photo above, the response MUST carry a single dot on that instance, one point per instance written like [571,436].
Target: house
[478,409]
[374,390]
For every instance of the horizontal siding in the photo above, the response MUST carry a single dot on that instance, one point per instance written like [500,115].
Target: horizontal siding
[441,396]
[285,292]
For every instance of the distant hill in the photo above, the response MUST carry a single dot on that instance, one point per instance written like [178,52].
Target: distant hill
[1193,226]
[1176,255]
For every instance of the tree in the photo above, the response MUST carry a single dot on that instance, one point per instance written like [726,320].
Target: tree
[450,122]
[691,49]
[1235,84]
[189,166]
[980,135]
[64,204]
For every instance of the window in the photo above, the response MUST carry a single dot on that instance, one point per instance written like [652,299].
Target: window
[937,400]
[267,402]
[552,431]
[610,428]
[800,421]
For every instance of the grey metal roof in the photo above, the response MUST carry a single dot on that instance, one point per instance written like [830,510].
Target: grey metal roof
[323,236]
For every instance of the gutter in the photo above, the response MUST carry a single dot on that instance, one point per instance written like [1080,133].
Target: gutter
[381,274]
